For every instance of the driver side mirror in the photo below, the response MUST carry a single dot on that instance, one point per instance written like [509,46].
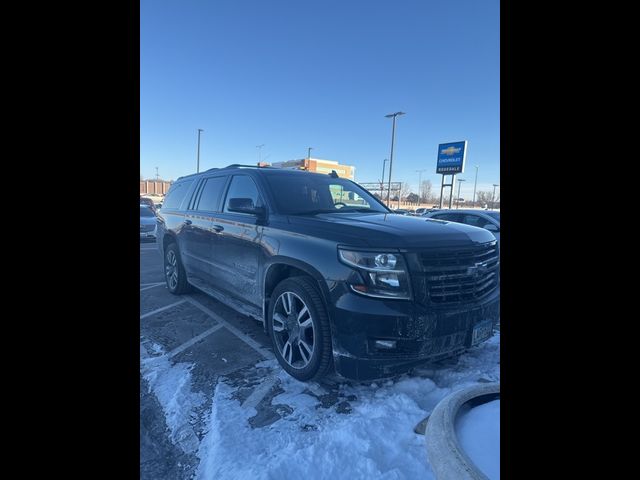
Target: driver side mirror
[491,227]
[245,205]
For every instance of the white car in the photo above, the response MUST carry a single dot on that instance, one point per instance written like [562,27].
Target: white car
[487,219]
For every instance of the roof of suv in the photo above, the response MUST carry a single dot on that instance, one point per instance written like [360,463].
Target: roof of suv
[263,170]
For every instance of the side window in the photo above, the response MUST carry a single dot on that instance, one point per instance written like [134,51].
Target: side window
[242,186]
[211,193]
[176,194]
[475,220]
[449,217]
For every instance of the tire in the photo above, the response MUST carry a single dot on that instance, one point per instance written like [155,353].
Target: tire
[301,362]
[173,264]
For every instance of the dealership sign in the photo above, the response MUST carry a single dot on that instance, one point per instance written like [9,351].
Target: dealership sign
[451,157]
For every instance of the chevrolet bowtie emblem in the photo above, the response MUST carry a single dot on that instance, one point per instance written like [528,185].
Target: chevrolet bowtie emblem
[450,150]
[477,269]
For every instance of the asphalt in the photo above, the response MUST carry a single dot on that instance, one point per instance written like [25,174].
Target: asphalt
[217,341]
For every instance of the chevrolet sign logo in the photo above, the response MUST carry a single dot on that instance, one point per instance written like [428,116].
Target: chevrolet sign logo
[478,269]
[450,151]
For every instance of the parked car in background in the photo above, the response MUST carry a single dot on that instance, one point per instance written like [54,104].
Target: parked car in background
[148,223]
[487,219]
[148,202]
[347,288]
[401,211]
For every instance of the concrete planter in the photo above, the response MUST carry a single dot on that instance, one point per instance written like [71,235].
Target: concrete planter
[447,459]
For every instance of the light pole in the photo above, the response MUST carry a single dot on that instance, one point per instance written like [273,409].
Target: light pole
[474,187]
[198,165]
[393,137]
[493,197]
[460,180]
[157,174]
[384,164]
[259,147]
[309,152]
[420,184]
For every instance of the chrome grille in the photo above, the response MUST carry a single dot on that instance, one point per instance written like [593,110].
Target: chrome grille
[147,228]
[460,275]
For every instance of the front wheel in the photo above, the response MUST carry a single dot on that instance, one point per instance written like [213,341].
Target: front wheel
[174,272]
[298,325]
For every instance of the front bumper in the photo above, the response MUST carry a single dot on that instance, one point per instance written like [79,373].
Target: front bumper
[421,333]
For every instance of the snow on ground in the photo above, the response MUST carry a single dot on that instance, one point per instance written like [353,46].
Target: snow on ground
[373,436]
[374,439]
[478,431]
[171,383]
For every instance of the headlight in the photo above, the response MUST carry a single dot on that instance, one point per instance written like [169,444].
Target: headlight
[384,274]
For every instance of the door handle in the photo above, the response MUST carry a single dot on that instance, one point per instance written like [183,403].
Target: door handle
[187,222]
[218,228]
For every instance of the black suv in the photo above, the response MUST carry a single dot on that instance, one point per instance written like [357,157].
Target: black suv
[338,280]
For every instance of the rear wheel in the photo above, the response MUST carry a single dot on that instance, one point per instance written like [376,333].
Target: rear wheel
[298,325]
[174,273]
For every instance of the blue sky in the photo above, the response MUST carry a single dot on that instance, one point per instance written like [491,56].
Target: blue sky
[296,74]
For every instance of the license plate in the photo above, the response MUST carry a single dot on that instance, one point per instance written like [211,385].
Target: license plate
[481,332]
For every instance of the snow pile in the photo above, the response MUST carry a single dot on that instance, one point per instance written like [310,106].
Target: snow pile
[376,439]
[478,431]
[171,384]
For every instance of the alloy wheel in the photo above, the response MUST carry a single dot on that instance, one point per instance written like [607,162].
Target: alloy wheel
[293,330]
[171,270]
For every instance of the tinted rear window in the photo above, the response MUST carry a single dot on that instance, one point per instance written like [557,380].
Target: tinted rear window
[211,192]
[176,194]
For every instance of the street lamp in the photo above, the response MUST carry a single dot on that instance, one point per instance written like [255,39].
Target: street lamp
[460,180]
[198,165]
[309,152]
[384,164]
[493,197]
[393,137]
[474,187]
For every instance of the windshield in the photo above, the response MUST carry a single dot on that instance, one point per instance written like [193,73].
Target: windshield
[310,194]
[146,212]
[495,215]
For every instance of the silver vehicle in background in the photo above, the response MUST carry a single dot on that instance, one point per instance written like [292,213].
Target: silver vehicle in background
[489,220]
[148,223]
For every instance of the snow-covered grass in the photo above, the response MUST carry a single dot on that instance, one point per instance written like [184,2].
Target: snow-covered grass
[375,439]
[478,432]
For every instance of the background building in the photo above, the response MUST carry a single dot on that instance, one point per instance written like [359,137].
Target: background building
[154,187]
[319,166]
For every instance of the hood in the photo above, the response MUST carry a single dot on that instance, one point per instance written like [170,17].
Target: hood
[390,230]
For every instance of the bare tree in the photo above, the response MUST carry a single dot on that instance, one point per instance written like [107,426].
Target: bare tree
[425,191]
[405,190]
[483,198]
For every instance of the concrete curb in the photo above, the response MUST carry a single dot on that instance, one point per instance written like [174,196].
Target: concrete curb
[447,459]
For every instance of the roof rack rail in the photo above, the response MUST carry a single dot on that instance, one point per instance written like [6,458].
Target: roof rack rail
[236,165]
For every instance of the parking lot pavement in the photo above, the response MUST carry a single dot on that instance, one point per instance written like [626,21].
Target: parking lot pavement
[212,395]
[210,340]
